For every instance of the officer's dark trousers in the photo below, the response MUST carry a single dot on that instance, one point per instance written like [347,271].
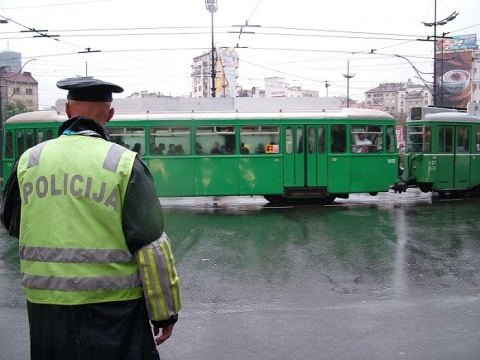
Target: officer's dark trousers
[113,330]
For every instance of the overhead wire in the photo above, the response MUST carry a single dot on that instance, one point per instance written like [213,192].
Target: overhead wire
[169,31]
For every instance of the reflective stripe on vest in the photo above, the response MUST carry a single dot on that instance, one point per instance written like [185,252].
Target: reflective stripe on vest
[162,284]
[111,160]
[72,246]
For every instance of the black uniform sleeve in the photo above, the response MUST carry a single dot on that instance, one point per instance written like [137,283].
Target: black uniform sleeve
[11,208]
[142,213]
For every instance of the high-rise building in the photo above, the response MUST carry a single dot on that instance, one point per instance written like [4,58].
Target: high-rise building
[226,74]
[11,61]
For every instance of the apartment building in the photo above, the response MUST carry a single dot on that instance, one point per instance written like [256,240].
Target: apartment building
[226,74]
[18,86]
[398,98]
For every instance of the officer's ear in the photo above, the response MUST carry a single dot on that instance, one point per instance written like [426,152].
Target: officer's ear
[67,109]
[110,114]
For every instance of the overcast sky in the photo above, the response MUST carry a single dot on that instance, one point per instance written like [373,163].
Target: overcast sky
[149,45]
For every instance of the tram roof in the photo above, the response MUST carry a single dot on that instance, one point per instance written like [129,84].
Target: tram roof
[440,114]
[217,109]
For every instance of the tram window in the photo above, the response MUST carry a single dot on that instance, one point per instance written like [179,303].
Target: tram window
[170,140]
[419,138]
[40,137]
[258,139]
[478,139]
[299,140]
[390,139]
[321,140]
[288,140]
[463,139]
[215,140]
[311,140]
[20,143]
[445,139]
[30,139]
[427,141]
[9,145]
[368,138]
[49,134]
[132,138]
[338,138]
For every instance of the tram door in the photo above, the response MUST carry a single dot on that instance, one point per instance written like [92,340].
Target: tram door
[453,163]
[462,157]
[305,160]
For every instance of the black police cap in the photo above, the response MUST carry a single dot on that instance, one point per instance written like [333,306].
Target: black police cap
[89,89]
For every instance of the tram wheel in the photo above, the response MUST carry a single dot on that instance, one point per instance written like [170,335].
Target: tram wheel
[275,199]
[425,188]
[328,200]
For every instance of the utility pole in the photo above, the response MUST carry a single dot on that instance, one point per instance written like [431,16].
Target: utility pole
[435,24]
[212,7]
[326,87]
[348,76]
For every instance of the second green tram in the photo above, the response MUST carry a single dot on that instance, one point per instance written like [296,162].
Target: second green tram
[282,149]
[443,150]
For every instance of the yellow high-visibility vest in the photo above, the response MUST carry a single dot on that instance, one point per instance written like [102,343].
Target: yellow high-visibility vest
[72,247]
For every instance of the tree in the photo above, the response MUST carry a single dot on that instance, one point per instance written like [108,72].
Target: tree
[14,108]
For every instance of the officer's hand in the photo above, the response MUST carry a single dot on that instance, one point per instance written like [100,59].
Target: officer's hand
[166,333]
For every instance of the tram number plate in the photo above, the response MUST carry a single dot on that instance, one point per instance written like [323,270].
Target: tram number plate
[432,165]
[392,161]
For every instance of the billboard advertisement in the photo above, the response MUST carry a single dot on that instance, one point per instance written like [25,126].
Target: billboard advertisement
[226,76]
[454,43]
[454,77]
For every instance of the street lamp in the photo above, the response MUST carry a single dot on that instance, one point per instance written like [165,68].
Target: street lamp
[211,6]
[348,76]
[435,24]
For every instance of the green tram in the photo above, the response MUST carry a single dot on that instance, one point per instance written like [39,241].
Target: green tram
[280,148]
[443,150]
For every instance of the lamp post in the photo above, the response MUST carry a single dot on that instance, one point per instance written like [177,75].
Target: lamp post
[211,6]
[435,24]
[348,76]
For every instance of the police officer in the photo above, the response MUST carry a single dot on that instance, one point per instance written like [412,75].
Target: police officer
[96,265]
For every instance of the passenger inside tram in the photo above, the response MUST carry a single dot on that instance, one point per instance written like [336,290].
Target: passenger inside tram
[362,144]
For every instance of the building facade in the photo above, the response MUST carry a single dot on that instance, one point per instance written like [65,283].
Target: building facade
[11,61]
[226,74]
[18,86]
[278,87]
[476,77]
[398,98]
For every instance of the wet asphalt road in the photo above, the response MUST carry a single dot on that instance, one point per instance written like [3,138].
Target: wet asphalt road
[386,277]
